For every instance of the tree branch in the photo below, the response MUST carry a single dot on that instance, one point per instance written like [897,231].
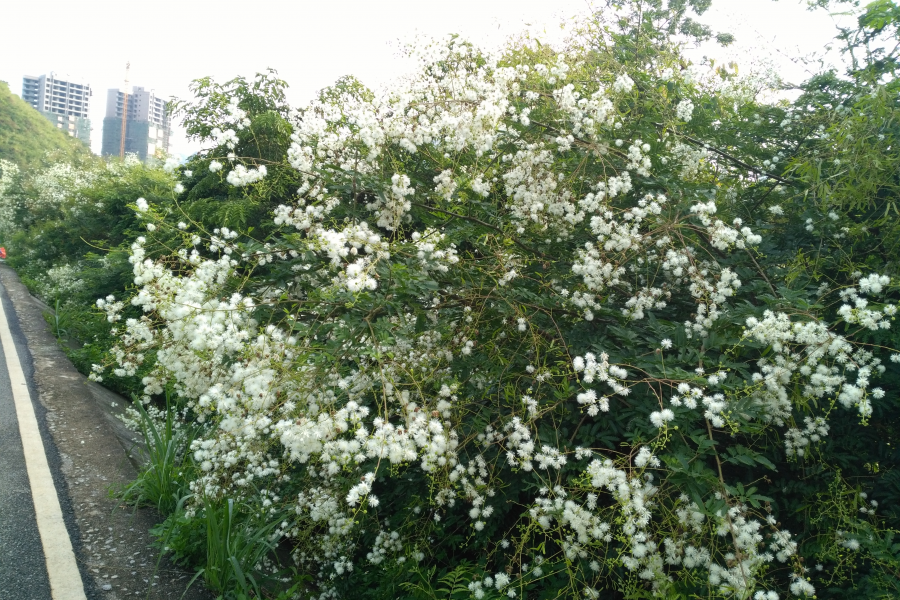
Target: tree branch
[731,158]
[482,223]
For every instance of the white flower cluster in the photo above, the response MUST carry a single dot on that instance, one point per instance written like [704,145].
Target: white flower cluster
[637,160]
[111,307]
[430,256]
[692,397]
[227,138]
[721,235]
[391,209]
[611,375]
[797,441]
[690,158]
[634,498]
[859,313]
[241,175]
[171,164]
[685,110]
[623,83]
[353,252]
[749,552]
[60,281]
[446,184]
[519,445]
[710,295]
[386,543]
[823,361]
[47,189]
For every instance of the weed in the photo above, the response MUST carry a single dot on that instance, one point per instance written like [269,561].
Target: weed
[162,481]
[235,550]
[58,319]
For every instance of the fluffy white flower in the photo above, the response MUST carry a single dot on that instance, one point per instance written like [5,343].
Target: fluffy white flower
[170,165]
[661,417]
[685,110]
[242,176]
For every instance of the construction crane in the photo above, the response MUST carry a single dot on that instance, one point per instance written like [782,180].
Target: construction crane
[124,111]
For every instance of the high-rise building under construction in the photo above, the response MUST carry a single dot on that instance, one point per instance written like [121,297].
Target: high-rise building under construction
[147,126]
[63,102]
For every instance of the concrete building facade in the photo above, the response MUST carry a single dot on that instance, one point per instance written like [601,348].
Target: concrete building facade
[148,125]
[64,103]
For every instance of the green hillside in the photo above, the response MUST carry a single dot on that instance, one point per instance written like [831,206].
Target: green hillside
[26,136]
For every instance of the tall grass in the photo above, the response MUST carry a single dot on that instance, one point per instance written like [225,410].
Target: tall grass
[235,551]
[164,478]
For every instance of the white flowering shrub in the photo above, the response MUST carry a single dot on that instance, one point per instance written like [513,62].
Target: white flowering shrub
[8,172]
[61,282]
[67,229]
[39,195]
[522,322]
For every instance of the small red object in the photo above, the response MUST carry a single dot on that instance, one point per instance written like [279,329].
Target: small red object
[2,252]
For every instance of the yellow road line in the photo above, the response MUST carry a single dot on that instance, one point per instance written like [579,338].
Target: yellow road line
[62,569]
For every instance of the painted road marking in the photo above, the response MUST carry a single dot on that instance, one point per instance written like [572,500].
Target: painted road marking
[62,569]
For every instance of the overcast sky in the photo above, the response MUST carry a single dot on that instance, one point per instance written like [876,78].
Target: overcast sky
[171,42]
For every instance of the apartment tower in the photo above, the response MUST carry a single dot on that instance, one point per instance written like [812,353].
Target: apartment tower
[147,124]
[64,103]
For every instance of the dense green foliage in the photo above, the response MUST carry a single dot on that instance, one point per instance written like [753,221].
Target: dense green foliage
[68,229]
[26,136]
[529,352]
[207,198]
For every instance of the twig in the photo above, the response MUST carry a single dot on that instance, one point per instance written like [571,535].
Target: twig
[733,159]
[761,272]
[482,223]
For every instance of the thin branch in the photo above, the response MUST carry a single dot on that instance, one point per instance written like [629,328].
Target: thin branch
[761,272]
[731,158]
[483,224]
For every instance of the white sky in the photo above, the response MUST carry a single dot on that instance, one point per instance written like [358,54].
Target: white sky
[311,43]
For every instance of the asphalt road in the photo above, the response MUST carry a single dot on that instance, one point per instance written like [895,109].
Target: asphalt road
[23,564]
[23,571]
